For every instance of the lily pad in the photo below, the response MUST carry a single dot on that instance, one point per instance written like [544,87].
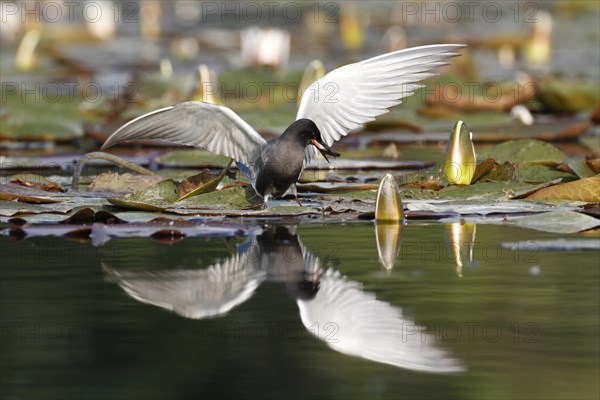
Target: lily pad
[558,222]
[191,159]
[10,208]
[154,198]
[526,151]
[587,189]
[581,168]
[160,196]
[481,191]
[554,244]
[463,208]
[122,183]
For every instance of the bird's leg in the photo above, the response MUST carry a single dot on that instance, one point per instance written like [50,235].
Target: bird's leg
[265,201]
[295,191]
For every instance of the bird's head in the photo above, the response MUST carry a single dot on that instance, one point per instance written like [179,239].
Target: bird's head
[308,132]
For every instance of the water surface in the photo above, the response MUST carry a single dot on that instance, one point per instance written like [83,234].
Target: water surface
[86,322]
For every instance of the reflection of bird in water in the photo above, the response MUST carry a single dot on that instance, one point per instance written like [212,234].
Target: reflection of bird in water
[333,308]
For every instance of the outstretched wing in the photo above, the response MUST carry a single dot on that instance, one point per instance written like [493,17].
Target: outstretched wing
[194,123]
[354,94]
[356,323]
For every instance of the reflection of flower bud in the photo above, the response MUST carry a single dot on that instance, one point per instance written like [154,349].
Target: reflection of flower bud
[388,243]
[388,207]
[461,240]
[460,162]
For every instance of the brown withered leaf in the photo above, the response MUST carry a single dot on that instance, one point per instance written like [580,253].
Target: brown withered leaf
[483,168]
[595,117]
[204,182]
[428,185]
[594,165]
[47,187]
[587,189]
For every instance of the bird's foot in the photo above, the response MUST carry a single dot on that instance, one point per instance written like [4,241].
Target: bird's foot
[265,202]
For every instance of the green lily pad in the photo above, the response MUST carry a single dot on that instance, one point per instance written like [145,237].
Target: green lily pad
[558,222]
[58,120]
[592,142]
[238,197]
[10,208]
[154,198]
[480,191]
[581,168]
[568,96]
[526,151]
[191,158]
[122,183]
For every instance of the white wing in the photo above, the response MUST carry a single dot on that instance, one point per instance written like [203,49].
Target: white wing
[354,94]
[356,323]
[194,293]
[194,123]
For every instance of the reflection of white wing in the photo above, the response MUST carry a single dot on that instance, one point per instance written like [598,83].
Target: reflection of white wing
[194,293]
[354,322]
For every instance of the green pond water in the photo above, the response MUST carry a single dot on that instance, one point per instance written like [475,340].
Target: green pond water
[220,317]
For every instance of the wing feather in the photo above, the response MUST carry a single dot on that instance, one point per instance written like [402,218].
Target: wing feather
[209,126]
[366,89]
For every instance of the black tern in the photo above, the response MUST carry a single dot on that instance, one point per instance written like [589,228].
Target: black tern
[344,99]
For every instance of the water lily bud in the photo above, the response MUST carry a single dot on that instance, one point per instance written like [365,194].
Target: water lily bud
[207,89]
[388,207]
[313,72]
[459,165]
[25,59]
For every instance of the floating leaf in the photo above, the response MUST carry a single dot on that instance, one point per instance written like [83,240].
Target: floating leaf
[204,182]
[36,182]
[594,165]
[159,196]
[567,96]
[122,183]
[10,208]
[191,159]
[12,191]
[526,151]
[331,187]
[581,168]
[154,198]
[557,222]
[554,244]
[480,207]
[483,168]
[587,189]
[480,191]
[100,233]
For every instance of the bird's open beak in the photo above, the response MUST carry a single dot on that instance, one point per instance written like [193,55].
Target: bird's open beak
[324,149]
